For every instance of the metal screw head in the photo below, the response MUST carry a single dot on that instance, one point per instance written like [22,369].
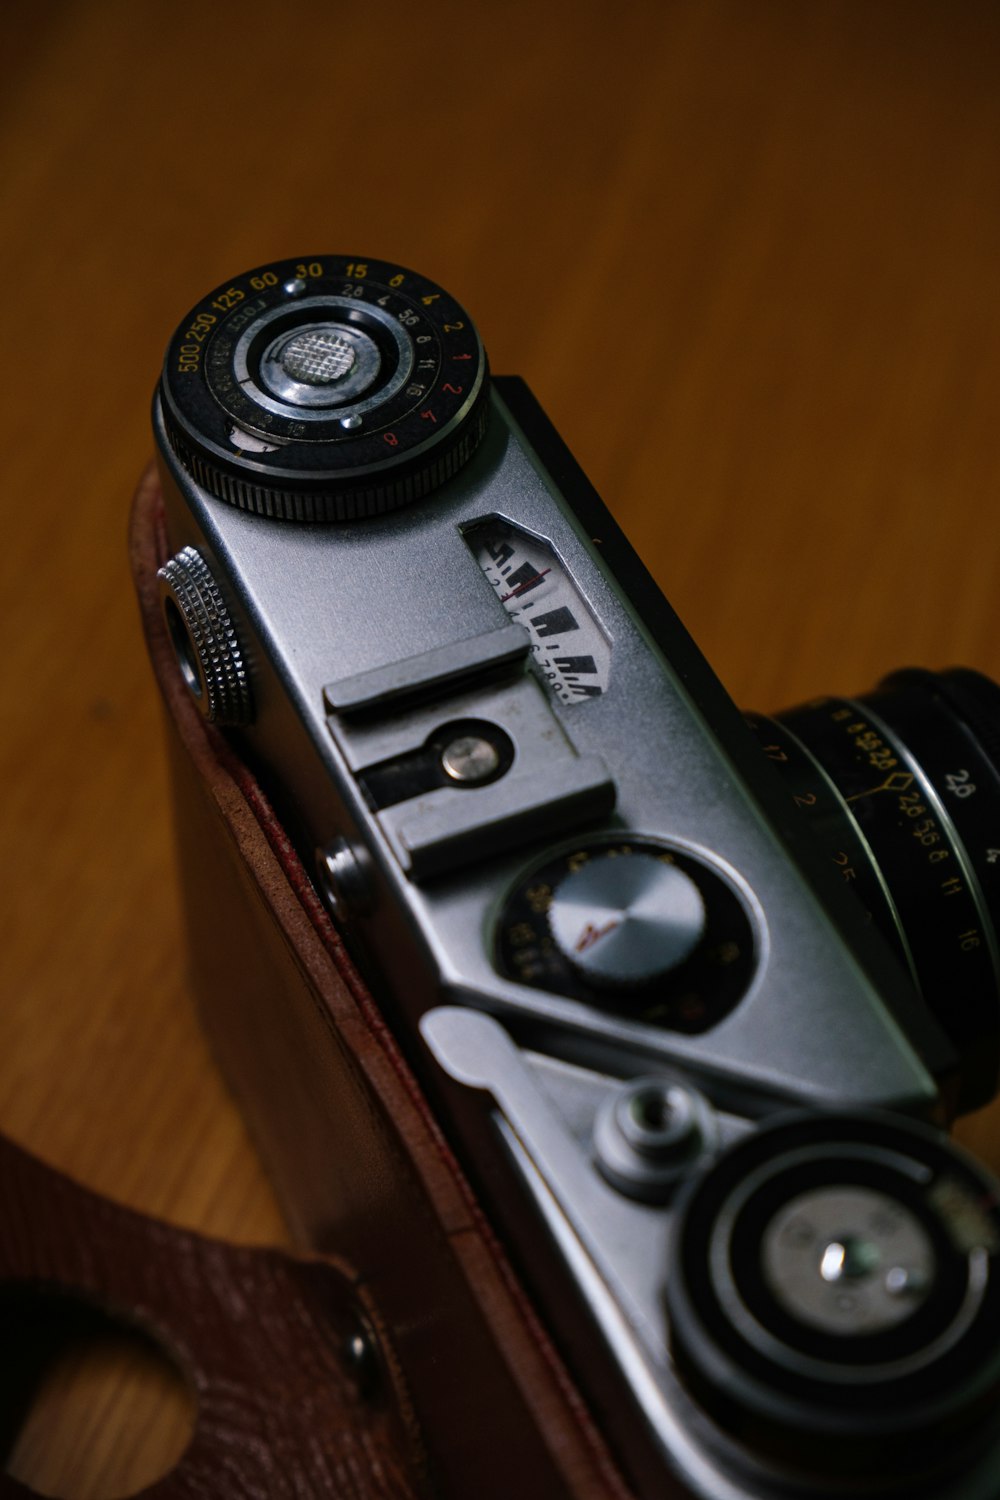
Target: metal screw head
[905,1281]
[343,881]
[361,1354]
[849,1259]
[470,759]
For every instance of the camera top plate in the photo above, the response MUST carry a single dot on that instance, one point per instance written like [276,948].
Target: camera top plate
[324,389]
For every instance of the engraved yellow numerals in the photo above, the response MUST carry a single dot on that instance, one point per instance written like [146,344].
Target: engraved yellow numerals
[189,354]
[873,747]
[539,898]
[228,299]
[926,831]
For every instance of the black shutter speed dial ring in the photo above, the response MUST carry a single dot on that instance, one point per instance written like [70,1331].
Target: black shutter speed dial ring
[325,389]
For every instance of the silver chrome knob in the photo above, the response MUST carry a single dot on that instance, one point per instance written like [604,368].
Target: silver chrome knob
[649,1135]
[205,640]
[321,364]
[318,356]
[627,919]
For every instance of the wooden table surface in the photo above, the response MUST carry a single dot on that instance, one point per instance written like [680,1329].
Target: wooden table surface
[745,252]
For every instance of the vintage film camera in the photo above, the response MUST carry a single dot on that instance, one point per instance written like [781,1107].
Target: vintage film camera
[690,994]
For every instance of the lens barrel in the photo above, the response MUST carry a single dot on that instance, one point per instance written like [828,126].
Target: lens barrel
[902,788]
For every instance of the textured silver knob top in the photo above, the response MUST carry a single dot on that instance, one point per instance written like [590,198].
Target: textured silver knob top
[627,919]
[318,356]
[205,640]
[322,365]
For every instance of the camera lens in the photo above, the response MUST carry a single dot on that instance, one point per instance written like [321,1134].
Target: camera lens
[902,788]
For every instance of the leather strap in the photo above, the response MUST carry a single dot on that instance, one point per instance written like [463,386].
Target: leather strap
[264,1339]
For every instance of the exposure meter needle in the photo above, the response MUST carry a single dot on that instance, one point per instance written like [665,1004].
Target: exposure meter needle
[529,583]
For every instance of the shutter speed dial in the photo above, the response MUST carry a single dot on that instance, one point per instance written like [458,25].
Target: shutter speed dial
[632,926]
[325,389]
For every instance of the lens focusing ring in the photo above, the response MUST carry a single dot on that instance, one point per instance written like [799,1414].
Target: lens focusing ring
[902,788]
[973,697]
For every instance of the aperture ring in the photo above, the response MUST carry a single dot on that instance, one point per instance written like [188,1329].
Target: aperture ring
[816,794]
[921,858]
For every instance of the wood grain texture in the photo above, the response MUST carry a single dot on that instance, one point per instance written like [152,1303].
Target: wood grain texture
[745,253]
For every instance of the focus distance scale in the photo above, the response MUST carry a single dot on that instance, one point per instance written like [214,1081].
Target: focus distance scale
[325,389]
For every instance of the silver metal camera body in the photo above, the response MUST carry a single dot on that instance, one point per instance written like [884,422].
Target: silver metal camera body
[583,899]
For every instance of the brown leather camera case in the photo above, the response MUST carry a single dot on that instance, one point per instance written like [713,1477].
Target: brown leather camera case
[483,1405]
